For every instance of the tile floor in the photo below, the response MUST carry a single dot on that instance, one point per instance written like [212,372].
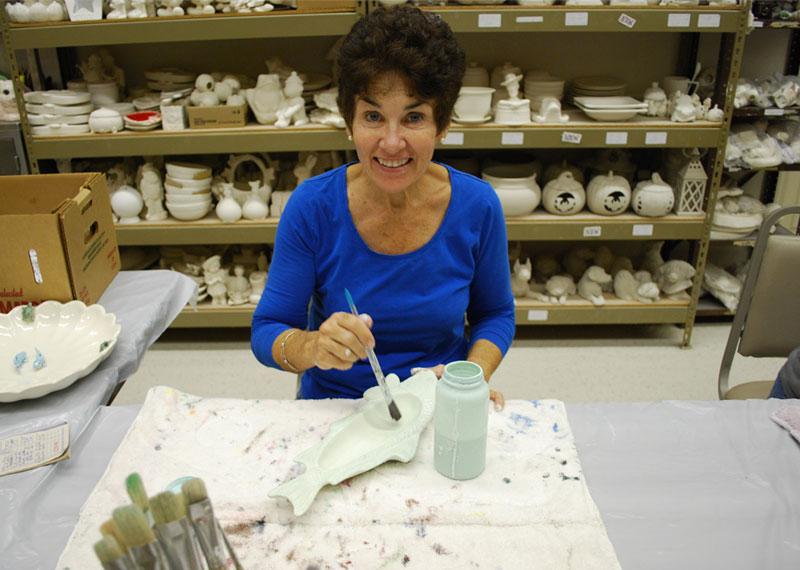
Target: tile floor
[573,364]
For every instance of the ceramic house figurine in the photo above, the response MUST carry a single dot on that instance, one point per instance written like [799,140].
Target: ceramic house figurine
[653,197]
[266,98]
[690,185]
[293,108]
[608,195]
[564,196]
[656,100]
[238,287]
[216,280]
[170,8]
[153,192]
[590,285]
[8,101]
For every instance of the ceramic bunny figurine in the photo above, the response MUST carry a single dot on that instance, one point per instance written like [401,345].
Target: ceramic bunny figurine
[293,109]
[520,277]
[674,278]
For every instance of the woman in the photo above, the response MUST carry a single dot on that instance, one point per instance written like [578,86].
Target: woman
[418,244]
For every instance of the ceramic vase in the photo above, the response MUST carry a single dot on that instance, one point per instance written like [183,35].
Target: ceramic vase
[228,210]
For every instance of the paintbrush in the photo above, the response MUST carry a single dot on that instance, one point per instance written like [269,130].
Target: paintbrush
[111,554]
[136,491]
[174,531]
[142,545]
[109,528]
[209,534]
[394,411]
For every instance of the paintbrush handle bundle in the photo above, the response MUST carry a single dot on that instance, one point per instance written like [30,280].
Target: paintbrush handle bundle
[170,531]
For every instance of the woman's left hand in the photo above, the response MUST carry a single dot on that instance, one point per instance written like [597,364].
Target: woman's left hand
[495,396]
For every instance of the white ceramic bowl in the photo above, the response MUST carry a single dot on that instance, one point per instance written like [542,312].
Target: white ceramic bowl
[180,190]
[178,199]
[610,114]
[473,102]
[187,170]
[203,183]
[72,337]
[189,212]
[516,187]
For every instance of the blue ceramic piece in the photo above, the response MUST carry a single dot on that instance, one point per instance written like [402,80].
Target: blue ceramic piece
[38,361]
[19,359]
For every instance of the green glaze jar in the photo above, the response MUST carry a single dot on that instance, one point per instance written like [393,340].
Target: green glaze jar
[460,418]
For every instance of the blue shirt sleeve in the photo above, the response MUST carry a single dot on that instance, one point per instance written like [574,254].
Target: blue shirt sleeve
[290,279]
[491,303]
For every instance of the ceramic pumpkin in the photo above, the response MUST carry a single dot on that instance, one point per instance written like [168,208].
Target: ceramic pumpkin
[608,195]
[653,197]
[564,196]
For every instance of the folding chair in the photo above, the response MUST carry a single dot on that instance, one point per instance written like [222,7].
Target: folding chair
[767,321]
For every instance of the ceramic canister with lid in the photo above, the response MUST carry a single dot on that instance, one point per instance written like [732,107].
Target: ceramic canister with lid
[460,421]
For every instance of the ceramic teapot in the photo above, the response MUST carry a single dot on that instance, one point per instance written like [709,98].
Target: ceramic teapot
[564,196]
[608,195]
[653,197]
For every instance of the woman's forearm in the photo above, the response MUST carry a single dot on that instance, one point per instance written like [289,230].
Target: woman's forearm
[293,350]
[487,355]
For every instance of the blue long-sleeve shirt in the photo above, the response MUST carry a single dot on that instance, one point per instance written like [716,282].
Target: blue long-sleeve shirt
[417,300]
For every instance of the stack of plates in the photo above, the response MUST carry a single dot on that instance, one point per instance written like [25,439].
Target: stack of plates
[540,84]
[188,190]
[142,120]
[616,108]
[170,79]
[598,86]
[58,112]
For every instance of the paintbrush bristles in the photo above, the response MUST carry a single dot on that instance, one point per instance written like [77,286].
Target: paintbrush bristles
[194,491]
[167,507]
[109,528]
[394,411]
[136,491]
[108,549]
[133,527]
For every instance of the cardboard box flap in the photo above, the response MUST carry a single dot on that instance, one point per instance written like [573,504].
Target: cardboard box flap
[37,194]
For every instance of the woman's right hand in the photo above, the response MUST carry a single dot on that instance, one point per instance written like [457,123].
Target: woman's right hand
[341,339]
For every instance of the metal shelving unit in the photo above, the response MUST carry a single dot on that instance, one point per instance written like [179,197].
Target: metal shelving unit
[730,22]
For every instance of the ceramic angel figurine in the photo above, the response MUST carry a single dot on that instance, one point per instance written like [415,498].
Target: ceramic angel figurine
[258,279]
[215,277]
[293,108]
[238,287]
[170,8]
[153,193]
[8,102]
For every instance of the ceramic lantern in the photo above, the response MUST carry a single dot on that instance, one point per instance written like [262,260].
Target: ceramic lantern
[653,197]
[564,196]
[690,186]
[608,195]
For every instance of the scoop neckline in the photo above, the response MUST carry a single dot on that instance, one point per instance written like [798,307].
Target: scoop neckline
[352,225]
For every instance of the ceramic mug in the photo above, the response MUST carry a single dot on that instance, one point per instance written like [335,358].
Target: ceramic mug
[674,83]
[473,103]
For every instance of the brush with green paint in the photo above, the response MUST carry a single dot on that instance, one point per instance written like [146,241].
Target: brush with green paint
[136,491]
[142,545]
[174,531]
[111,554]
[209,533]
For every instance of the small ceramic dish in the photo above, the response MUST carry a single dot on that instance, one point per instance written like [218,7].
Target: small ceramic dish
[187,170]
[170,75]
[57,97]
[178,199]
[609,103]
[611,114]
[143,119]
[183,191]
[71,338]
[40,120]
[364,440]
[480,121]
[188,212]
[147,102]
[59,130]
[51,109]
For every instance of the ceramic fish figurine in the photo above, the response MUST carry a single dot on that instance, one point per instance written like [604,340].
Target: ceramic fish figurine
[38,361]
[20,358]
[365,439]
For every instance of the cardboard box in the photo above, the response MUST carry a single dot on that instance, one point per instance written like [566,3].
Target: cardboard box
[58,239]
[221,116]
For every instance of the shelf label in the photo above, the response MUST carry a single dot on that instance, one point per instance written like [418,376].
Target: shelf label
[679,20]
[642,230]
[708,21]
[617,138]
[773,112]
[576,19]
[454,139]
[512,138]
[538,315]
[571,138]
[627,21]
[658,137]
[530,19]
[758,23]
[490,20]
[592,231]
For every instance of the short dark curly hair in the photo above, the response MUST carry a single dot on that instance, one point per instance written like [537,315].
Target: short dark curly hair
[417,45]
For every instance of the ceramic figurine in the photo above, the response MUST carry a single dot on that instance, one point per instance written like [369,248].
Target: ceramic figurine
[170,8]
[216,280]
[550,112]
[608,195]
[302,171]
[201,7]
[590,285]
[138,9]
[327,111]
[723,286]
[577,261]
[545,266]
[228,210]
[564,196]
[105,120]
[153,193]
[621,263]
[520,277]
[512,111]
[8,102]
[38,360]
[255,208]
[652,261]
[557,289]
[674,278]
[99,67]
[258,279]
[266,98]
[279,200]
[628,288]
[653,197]
[119,9]
[656,100]
[715,115]
[293,107]
[238,287]
[683,109]
[203,94]
[127,203]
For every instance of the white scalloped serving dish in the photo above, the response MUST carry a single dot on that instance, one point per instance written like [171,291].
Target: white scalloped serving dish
[72,337]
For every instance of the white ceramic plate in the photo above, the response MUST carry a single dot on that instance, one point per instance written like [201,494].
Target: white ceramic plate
[610,103]
[73,338]
[41,120]
[610,114]
[50,109]
[485,119]
[59,130]
[57,97]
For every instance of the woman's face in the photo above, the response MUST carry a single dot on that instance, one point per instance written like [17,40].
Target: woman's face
[394,133]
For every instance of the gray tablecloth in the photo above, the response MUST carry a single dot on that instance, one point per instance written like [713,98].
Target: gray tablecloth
[145,303]
[684,485]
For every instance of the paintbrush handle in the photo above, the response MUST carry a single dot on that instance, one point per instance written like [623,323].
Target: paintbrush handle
[376,370]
